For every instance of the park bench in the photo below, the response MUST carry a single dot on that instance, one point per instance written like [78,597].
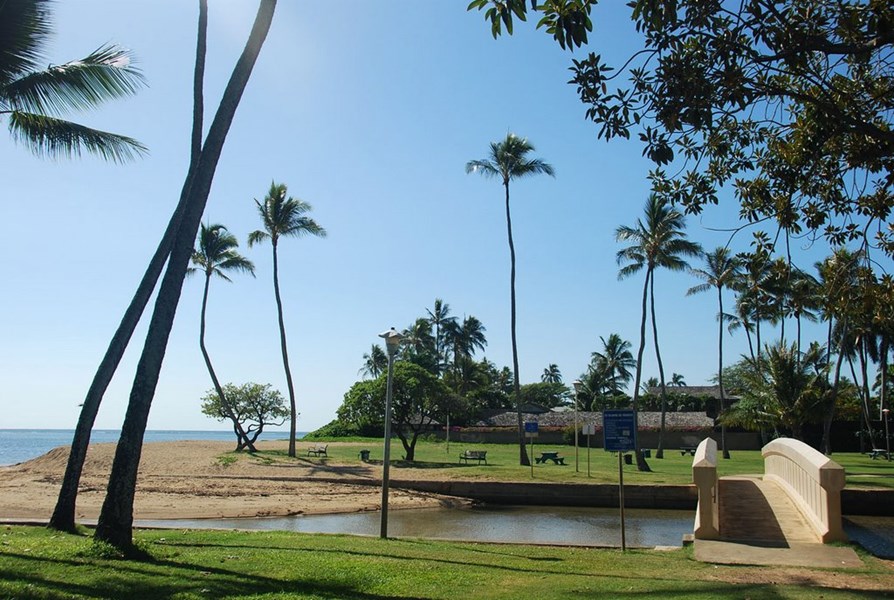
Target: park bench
[688,449]
[876,452]
[318,450]
[479,455]
[553,456]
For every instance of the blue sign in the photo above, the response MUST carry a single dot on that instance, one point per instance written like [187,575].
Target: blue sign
[531,428]
[619,428]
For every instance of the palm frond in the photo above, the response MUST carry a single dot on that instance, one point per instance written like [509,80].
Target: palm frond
[106,74]
[25,27]
[48,136]
[256,237]
[482,166]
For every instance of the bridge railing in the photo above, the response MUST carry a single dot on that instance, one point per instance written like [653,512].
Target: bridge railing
[704,476]
[811,480]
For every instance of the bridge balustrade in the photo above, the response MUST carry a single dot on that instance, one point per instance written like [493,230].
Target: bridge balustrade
[704,476]
[811,480]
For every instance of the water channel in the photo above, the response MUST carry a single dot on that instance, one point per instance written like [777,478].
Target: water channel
[514,524]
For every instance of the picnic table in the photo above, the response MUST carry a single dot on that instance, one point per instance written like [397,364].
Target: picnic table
[876,452]
[688,449]
[553,456]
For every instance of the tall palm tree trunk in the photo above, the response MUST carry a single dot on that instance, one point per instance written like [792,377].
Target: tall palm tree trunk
[285,352]
[641,463]
[115,524]
[243,439]
[522,450]
[659,453]
[720,372]
[829,416]
[63,517]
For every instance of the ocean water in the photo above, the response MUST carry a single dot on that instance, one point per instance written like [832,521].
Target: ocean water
[19,445]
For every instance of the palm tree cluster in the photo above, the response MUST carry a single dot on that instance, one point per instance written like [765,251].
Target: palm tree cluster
[607,375]
[282,216]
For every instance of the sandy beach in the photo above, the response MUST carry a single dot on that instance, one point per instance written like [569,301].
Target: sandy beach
[199,479]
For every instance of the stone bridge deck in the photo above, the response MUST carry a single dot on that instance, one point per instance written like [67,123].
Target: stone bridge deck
[760,525]
[755,510]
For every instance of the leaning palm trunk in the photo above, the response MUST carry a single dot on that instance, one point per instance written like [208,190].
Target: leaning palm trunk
[243,439]
[522,450]
[115,524]
[659,453]
[63,517]
[285,353]
[641,463]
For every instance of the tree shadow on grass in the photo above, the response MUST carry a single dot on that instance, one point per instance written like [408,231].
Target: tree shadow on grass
[162,579]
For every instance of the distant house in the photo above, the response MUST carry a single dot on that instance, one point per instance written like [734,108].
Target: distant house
[680,421]
[697,391]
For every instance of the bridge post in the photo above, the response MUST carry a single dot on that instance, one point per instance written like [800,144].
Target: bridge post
[811,480]
[704,476]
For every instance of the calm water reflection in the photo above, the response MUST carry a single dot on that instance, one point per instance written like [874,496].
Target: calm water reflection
[528,524]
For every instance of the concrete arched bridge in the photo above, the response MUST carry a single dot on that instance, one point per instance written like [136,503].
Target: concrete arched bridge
[794,505]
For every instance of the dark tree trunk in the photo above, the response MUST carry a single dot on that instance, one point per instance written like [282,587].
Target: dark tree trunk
[115,524]
[720,372]
[285,352]
[242,439]
[63,517]
[659,453]
[522,449]
[641,463]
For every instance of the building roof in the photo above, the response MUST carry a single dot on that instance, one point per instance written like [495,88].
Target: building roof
[673,420]
[698,391]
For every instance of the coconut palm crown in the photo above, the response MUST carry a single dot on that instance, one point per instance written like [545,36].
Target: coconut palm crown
[217,253]
[34,99]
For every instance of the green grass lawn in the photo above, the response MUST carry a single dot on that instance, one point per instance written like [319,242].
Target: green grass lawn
[674,468]
[36,563]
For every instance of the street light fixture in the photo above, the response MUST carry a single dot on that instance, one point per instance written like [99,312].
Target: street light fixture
[392,343]
[578,385]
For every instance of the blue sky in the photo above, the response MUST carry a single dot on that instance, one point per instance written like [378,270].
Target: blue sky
[368,111]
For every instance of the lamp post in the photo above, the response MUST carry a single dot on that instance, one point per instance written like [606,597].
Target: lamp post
[887,435]
[392,343]
[578,384]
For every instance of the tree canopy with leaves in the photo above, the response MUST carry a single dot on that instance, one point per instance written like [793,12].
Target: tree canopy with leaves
[791,103]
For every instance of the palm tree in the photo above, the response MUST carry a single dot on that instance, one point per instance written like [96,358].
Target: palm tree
[63,517]
[721,271]
[115,524]
[551,374]
[439,318]
[615,361]
[33,98]
[283,216]
[678,380]
[375,363]
[509,160]
[659,241]
[217,255]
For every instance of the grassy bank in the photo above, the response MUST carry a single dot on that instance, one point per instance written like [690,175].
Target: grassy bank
[674,468]
[36,563]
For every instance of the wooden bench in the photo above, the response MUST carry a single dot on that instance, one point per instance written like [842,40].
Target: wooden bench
[553,456]
[318,450]
[479,455]
[687,449]
[876,452]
